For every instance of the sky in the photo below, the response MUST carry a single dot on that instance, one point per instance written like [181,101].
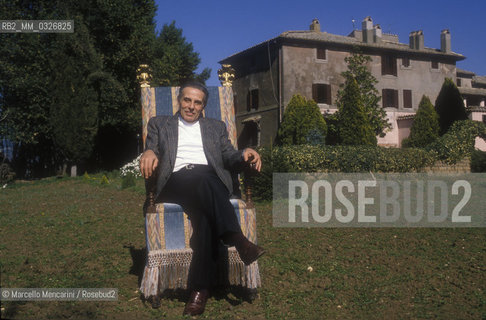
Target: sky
[218,29]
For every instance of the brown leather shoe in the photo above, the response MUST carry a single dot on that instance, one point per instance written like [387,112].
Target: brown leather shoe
[196,303]
[249,252]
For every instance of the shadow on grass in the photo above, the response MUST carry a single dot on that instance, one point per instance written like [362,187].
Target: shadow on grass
[138,262]
[234,295]
[12,309]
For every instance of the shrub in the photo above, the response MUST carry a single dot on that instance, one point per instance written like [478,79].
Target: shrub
[425,126]
[302,122]
[354,125]
[104,180]
[332,122]
[358,67]
[458,142]
[307,158]
[133,167]
[449,106]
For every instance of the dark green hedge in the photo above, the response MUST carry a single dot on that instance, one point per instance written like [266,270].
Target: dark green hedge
[307,158]
[478,161]
[455,145]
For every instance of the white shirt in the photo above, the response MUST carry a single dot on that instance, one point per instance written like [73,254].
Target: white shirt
[189,145]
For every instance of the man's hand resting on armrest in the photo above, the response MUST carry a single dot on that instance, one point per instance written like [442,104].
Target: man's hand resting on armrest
[252,158]
[148,163]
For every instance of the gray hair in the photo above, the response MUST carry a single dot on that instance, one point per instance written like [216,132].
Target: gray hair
[196,85]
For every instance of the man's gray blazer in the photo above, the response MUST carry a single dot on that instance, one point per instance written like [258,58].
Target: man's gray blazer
[162,139]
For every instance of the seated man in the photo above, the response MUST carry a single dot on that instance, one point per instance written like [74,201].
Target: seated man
[192,157]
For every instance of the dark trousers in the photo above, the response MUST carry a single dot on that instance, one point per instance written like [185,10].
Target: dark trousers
[205,198]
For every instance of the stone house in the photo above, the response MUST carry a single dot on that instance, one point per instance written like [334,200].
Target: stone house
[310,62]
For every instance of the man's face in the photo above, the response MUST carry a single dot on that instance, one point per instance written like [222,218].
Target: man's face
[191,104]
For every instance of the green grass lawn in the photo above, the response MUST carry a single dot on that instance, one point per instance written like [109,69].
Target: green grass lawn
[83,233]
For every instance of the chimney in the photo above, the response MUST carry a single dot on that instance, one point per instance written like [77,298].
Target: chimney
[315,26]
[445,41]
[419,40]
[367,26]
[411,38]
[377,33]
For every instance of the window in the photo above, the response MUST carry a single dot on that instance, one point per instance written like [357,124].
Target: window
[388,65]
[321,54]
[435,65]
[406,62]
[484,118]
[321,93]
[390,98]
[459,82]
[252,100]
[407,98]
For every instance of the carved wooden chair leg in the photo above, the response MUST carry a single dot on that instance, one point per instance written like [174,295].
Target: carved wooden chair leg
[155,301]
[252,294]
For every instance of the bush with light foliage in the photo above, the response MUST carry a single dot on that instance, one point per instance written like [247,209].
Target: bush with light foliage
[302,123]
[425,126]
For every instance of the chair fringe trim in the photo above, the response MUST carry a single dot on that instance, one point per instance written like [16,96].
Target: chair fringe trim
[169,269]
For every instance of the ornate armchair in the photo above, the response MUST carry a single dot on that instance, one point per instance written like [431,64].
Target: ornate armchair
[167,227]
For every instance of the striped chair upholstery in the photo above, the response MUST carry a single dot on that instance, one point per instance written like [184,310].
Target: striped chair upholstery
[168,229]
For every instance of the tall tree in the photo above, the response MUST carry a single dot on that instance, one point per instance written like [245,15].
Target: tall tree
[425,126]
[449,106]
[123,32]
[120,35]
[174,59]
[357,65]
[302,123]
[354,125]
[74,109]
[25,96]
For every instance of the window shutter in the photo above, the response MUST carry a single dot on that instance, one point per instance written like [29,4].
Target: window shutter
[390,98]
[388,64]
[321,53]
[254,99]
[314,92]
[321,93]
[407,98]
[385,93]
